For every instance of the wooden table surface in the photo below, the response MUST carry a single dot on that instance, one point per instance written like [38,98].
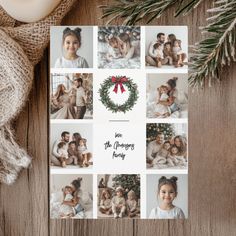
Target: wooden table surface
[212,154]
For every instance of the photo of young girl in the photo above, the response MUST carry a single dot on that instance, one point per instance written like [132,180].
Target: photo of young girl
[71,96]
[166,47]
[118,196]
[119,47]
[71,146]
[167,197]
[166,146]
[71,196]
[167,96]
[76,44]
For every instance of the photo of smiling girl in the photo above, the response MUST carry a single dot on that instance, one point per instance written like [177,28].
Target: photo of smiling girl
[76,44]
[170,194]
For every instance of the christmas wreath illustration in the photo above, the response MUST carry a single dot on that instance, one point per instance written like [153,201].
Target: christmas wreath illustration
[123,83]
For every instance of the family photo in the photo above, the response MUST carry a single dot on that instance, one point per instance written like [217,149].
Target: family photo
[71,47]
[71,146]
[167,96]
[118,196]
[167,196]
[71,96]
[71,196]
[166,47]
[167,146]
[119,47]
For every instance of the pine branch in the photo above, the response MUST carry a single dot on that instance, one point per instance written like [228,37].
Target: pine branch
[218,49]
[134,11]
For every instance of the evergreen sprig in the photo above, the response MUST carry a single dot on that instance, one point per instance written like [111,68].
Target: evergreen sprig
[109,104]
[134,11]
[218,49]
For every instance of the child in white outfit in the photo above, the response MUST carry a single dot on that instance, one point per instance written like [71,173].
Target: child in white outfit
[83,152]
[71,40]
[167,192]
[162,110]
[65,210]
[162,154]
[118,203]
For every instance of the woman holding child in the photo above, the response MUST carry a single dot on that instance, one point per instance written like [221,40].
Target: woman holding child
[171,98]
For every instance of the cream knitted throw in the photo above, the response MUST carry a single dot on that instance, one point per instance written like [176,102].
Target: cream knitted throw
[21,48]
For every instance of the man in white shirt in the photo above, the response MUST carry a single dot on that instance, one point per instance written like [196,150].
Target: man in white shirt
[150,58]
[80,99]
[55,157]
[154,146]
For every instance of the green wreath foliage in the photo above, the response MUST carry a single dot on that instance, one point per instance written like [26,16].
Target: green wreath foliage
[109,104]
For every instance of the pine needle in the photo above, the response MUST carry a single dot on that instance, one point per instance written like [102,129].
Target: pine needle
[134,11]
[218,49]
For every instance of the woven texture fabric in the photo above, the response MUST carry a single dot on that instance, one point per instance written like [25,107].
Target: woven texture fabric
[21,48]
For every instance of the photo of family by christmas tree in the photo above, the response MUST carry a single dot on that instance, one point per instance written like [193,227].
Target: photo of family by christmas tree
[167,95]
[119,47]
[71,146]
[119,196]
[71,96]
[71,196]
[166,47]
[166,146]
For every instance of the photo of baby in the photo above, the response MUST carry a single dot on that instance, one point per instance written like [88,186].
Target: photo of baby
[71,196]
[166,47]
[167,96]
[118,196]
[167,196]
[72,47]
[71,96]
[71,146]
[119,47]
[166,146]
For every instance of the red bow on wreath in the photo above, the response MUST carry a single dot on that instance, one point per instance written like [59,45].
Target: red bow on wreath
[119,82]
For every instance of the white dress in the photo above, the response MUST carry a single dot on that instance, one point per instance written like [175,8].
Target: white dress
[79,62]
[83,150]
[63,152]
[174,213]
[162,109]
[65,209]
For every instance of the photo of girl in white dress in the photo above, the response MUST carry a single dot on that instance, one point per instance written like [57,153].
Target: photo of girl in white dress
[72,47]
[167,196]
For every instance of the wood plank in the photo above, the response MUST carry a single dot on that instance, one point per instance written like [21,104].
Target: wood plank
[24,205]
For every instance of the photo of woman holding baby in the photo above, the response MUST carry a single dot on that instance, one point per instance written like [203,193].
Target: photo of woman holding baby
[71,96]
[119,47]
[76,44]
[166,47]
[167,96]
[71,196]
[166,146]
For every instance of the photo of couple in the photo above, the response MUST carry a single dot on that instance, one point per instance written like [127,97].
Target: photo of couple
[69,148]
[119,47]
[166,47]
[71,196]
[71,96]
[167,96]
[167,146]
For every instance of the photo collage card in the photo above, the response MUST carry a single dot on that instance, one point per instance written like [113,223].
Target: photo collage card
[118,122]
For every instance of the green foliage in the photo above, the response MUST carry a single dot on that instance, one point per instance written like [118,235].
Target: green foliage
[152,129]
[109,104]
[127,182]
[218,49]
[134,11]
